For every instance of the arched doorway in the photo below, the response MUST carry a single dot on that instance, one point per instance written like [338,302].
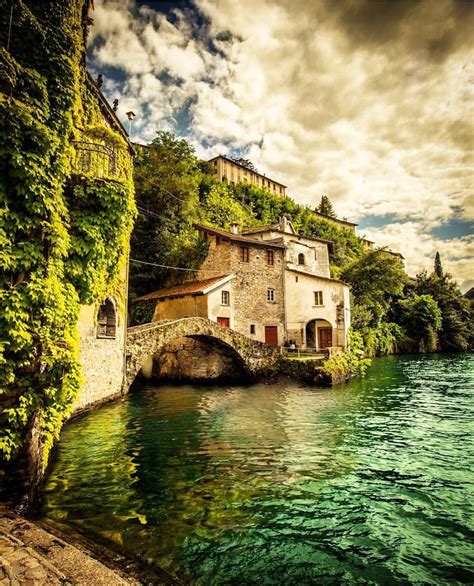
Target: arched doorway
[319,334]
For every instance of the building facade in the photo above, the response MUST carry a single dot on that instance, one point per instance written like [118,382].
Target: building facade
[102,325]
[267,283]
[228,170]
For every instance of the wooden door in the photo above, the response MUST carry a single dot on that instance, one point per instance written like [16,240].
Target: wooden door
[271,335]
[325,338]
[224,322]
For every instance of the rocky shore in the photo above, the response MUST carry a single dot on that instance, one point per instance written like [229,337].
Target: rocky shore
[32,556]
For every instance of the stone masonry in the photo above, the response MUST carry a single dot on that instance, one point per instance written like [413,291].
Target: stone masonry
[251,282]
[148,340]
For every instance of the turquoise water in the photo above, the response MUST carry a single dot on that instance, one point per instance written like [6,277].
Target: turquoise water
[369,483]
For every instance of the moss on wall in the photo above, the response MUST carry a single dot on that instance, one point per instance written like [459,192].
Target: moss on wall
[62,242]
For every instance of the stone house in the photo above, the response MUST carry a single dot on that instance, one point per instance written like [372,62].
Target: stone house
[102,325]
[228,170]
[267,283]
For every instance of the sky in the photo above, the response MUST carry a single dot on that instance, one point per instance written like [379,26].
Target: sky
[369,102]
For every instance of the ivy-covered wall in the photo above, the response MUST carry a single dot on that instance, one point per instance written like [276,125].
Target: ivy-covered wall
[64,225]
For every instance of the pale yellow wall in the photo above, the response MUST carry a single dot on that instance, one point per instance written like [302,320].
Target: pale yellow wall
[300,307]
[236,174]
[189,306]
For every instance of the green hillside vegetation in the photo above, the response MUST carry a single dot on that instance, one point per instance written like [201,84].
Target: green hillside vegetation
[175,190]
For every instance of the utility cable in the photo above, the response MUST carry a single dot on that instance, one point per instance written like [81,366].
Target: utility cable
[153,264]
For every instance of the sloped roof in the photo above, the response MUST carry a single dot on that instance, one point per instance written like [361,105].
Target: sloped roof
[333,219]
[277,228]
[239,237]
[189,288]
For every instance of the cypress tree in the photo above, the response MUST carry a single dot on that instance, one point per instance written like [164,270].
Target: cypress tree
[438,267]
[325,207]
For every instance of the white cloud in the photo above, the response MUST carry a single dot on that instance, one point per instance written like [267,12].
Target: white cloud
[373,108]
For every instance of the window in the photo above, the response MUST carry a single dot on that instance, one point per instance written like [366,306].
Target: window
[106,320]
[270,257]
[244,254]
[318,298]
[301,258]
[252,328]
[271,295]
[296,279]
[225,298]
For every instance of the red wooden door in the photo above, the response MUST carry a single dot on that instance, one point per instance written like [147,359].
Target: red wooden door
[325,337]
[224,322]
[271,335]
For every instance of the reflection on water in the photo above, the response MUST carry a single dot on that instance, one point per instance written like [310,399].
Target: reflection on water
[371,482]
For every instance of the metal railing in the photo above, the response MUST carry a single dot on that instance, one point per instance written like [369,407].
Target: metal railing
[94,159]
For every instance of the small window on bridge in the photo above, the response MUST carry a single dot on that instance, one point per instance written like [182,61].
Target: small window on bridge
[252,328]
[107,320]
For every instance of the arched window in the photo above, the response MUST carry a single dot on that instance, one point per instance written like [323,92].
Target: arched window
[301,258]
[106,320]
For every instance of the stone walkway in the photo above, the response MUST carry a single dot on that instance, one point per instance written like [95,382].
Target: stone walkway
[31,556]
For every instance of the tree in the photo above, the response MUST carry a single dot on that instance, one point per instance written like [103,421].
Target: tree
[245,163]
[422,319]
[438,268]
[167,177]
[375,278]
[456,325]
[325,207]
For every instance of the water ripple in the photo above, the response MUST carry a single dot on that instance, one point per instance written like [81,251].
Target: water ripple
[369,483]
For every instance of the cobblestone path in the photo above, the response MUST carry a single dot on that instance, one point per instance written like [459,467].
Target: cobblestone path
[31,556]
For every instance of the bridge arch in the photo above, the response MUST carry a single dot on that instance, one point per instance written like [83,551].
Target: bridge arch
[147,340]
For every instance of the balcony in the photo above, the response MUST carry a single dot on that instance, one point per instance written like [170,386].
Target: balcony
[94,160]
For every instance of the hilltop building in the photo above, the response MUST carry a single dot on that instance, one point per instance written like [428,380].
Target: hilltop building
[228,170]
[267,283]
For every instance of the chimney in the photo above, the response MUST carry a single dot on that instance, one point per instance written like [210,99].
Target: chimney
[283,221]
[234,228]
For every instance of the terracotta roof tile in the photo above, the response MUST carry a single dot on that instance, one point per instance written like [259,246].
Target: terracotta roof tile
[189,288]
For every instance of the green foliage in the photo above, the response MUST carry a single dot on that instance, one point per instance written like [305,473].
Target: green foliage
[352,362]
[245,163]
[167,177]
[438,267]
[421,316]
[222,210]
[455,333]
[375,279]
[60,244]
[325,207]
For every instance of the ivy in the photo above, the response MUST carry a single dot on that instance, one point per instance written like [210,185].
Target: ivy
[63,233]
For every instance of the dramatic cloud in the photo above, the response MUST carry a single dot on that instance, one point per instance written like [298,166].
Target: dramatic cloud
[368,102]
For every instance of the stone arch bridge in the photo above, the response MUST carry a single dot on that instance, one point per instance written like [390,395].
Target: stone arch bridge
[148,339]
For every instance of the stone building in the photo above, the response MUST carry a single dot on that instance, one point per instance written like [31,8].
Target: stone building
[267,283]
[228,170]
[317,308]
[102,325]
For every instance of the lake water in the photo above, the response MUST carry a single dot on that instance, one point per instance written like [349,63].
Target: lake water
[368,483]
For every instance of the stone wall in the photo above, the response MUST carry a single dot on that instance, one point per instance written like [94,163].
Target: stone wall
[149,340]
[102,359]
[196,360]
[249,302]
